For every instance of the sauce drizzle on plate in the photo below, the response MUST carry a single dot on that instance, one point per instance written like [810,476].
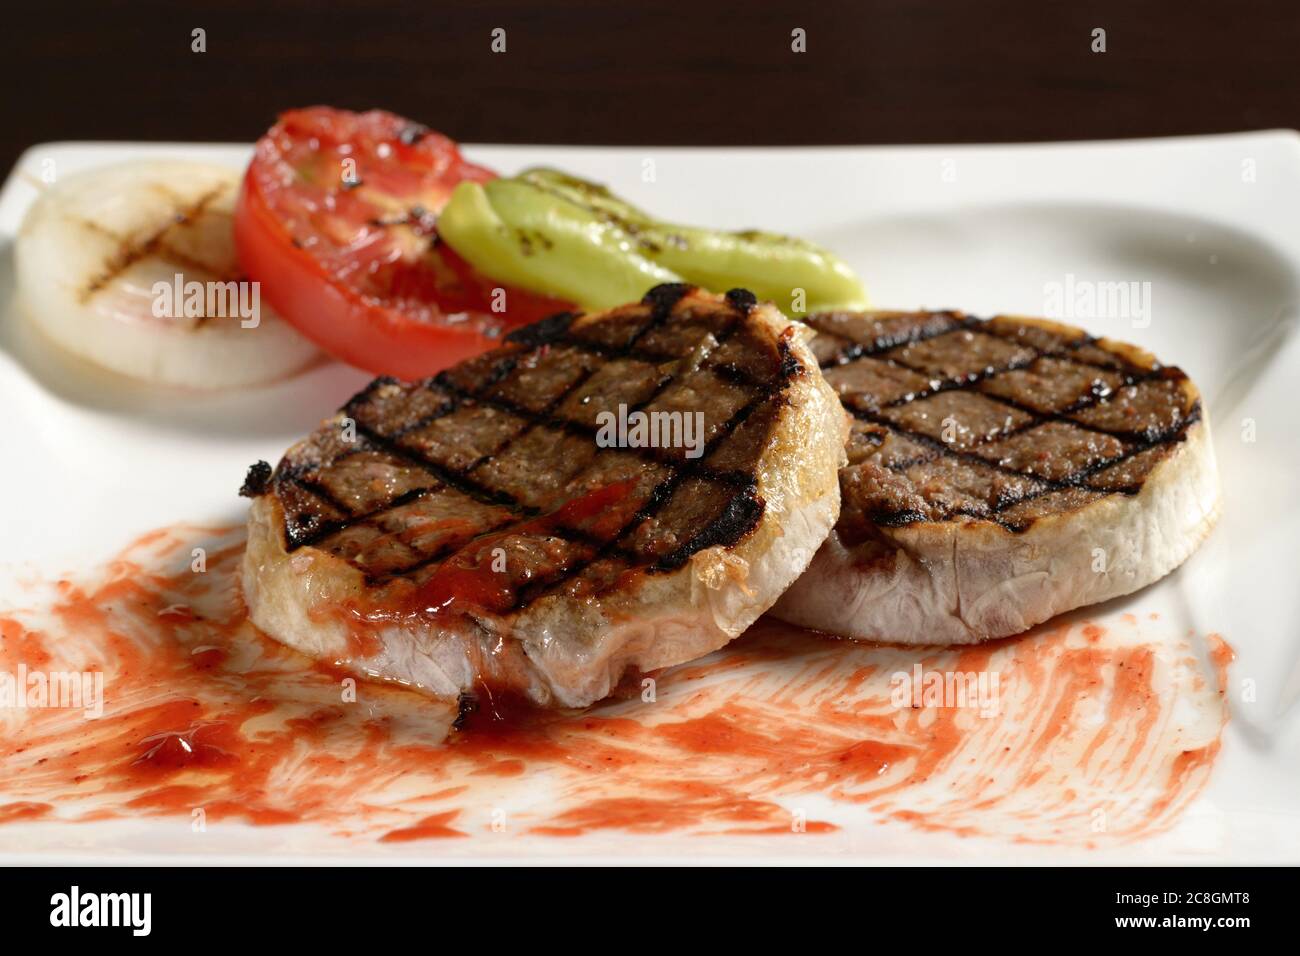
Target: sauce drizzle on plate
[1079,733]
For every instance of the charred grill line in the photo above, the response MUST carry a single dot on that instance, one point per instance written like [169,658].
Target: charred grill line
[546,417]
[648,356]
[440,554]
[664,302]
[321,492]
[519,511]
[884,343]
[678,473]
[460,482]
[1120,365]
[944,450]
[1063,416]
[897,519]
[1075,480]
[543,332]
[459,396]
[554,325]
[505,443]
[425,421]
[679,557]
[351,406]
[740,521]
[1139,440]
[659,497]
[654,456]
[739,518]
[1176,434]
[1037,417]
[954,384]
[353,520]
[1130,375]
[131,253]
[736,518]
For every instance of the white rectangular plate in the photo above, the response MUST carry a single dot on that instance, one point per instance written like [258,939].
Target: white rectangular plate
[1209,222]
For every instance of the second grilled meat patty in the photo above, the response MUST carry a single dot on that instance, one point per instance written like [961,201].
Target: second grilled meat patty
[488,530]
[1000,472]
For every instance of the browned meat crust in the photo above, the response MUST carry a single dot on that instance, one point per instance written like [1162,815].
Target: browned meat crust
[501,452]
[1005,420]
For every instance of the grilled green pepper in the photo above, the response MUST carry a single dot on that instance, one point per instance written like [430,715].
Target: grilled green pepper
[568,238]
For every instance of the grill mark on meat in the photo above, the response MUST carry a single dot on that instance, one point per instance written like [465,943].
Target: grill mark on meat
[1070,352]
[1077,479]
[322,492]
[551,334]
[1086,402]
[736,520]
[662,303]
[455,479]
[989,372]
[741,514]
[886,342]
[897,519]
[656,456]
[953,384]
[473,385]
[435,557]
[1136,442]
[1080,478]
[543,332]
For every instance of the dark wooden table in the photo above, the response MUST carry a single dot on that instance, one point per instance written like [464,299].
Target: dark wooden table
[630,71]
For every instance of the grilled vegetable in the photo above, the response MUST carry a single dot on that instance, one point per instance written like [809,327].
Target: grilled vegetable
[338,218]
[133,267]
[572,239]
[523,237]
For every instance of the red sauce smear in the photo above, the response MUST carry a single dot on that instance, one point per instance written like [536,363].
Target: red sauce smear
[782,732]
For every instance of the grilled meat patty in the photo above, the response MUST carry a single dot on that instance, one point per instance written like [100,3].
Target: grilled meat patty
[506,526]
[1000,472]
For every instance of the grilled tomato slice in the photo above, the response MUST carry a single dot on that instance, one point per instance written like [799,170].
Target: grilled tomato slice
[338,220]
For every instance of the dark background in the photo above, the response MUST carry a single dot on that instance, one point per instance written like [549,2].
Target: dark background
[635,72]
